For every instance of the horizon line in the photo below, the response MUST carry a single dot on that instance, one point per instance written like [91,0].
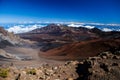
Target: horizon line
[58,22]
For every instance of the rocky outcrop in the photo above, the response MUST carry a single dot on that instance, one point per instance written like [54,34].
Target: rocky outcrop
[8,39]
[103,67]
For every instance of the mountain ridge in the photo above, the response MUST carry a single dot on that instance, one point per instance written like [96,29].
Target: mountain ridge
[55,35]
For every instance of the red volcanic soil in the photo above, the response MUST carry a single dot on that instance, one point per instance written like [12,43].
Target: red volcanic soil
[82,49]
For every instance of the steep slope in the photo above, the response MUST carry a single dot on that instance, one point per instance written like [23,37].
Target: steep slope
[7,38]
[11,40]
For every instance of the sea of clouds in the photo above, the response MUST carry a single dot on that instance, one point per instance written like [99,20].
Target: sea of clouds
[22,28]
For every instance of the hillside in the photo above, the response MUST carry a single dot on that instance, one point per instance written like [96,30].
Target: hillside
[7,38]
[84,49]
[12,47]
[54,32]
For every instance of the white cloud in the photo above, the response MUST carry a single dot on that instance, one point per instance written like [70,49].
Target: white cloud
[113,24]
[106,29]
[75,25]
[22,28]
[96,23]
[118,30]
[89,27]
[79,25]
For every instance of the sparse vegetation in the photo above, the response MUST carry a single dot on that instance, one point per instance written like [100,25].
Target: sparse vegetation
[4,72]
[31,71]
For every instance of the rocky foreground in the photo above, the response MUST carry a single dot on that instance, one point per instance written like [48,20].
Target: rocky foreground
[106,66]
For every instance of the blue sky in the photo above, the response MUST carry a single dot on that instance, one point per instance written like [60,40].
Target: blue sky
[100,11]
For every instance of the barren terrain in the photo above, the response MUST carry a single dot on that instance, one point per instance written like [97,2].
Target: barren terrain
[50,53]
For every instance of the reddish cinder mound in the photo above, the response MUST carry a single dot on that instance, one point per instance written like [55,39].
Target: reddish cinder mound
[83,49]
